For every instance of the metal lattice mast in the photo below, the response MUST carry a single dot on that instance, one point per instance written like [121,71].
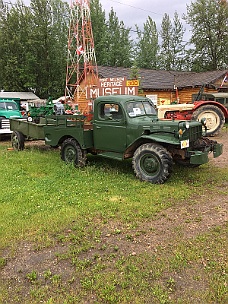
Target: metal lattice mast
[81,60]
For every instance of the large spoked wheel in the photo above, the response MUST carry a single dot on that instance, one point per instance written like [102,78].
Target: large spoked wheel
[215,118]
[17,140]
[71,152]
[152,163]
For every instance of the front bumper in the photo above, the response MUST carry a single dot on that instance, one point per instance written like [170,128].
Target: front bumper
[5,131]
[201,157]
[217,150]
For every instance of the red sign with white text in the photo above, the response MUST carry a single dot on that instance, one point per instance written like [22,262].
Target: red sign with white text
[113,86]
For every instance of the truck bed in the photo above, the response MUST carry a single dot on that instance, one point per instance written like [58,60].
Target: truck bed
[30,130]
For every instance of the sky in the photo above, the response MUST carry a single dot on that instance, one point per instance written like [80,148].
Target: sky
[133,12]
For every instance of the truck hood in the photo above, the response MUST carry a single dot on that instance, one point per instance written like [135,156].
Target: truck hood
[11,114]
[152,125]
[153,121]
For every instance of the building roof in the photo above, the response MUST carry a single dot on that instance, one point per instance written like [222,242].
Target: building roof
[21,95]
[165,80]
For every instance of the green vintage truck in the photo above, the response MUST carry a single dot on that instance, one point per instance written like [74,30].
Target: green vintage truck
[124,127]
[9,108]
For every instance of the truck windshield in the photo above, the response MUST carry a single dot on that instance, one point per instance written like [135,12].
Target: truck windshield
[139,108]
[8,106]
[11,106]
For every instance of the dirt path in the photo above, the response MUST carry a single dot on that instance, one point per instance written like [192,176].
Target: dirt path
[222,160]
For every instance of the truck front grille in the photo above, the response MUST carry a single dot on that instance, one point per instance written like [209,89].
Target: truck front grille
[4,124]
[195,132]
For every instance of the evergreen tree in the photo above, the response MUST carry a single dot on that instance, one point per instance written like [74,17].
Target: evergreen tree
[166,49]
[50,20]
[177,44]
[33,44]
[118,51]
[172,47]
[208,19]
[15,30]
[99,27]
[147,47]
[58,40]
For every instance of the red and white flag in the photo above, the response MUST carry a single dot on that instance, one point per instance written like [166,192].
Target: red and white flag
[80,50]
[225,79]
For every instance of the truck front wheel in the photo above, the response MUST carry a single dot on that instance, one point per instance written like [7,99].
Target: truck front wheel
[215,118]
[71,152]
[152,163]
[17,140]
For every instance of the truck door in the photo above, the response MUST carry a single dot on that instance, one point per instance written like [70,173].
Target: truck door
[109,128]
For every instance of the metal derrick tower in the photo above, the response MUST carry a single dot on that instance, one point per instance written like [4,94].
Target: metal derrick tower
[81,60]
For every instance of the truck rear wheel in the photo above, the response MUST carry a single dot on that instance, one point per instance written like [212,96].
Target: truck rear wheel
[17,140]
[152,163]
[71,152]
[215,118]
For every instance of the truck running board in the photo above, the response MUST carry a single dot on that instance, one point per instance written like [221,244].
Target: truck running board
[112,155]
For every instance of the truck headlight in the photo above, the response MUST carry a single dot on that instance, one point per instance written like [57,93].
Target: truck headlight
[203,121]
[204,127]
[186,125]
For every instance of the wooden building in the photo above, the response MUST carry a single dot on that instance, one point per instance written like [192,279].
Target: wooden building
[164,87]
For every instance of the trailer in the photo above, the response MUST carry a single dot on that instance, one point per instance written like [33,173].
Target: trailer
[24,130]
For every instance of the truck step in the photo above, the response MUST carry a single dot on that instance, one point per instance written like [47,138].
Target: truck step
[112,155]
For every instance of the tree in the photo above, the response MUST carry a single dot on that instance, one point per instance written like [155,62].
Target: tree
[48,44]
[15,30]
[177,44]
[147,47]
[99,27]
[118,50]
[208,19]
[166,36]
[58,40]
[33,44]
[172,47]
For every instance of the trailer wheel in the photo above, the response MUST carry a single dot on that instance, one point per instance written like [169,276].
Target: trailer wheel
[17,140]
[215,118]
[153,163]
[71,152]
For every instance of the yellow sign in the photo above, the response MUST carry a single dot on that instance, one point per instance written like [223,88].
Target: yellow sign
[164,101]
[184,144]
[132,83]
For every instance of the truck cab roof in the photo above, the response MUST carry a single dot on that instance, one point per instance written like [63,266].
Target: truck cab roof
[119,98]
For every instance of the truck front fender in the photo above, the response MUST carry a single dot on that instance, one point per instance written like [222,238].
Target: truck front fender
[156,138]
[162,138]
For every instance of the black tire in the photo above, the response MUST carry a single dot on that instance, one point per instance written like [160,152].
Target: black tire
[153,163]
[18,140]
[215,118]
[71,152]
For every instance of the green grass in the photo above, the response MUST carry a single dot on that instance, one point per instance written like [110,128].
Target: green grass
[97,213]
